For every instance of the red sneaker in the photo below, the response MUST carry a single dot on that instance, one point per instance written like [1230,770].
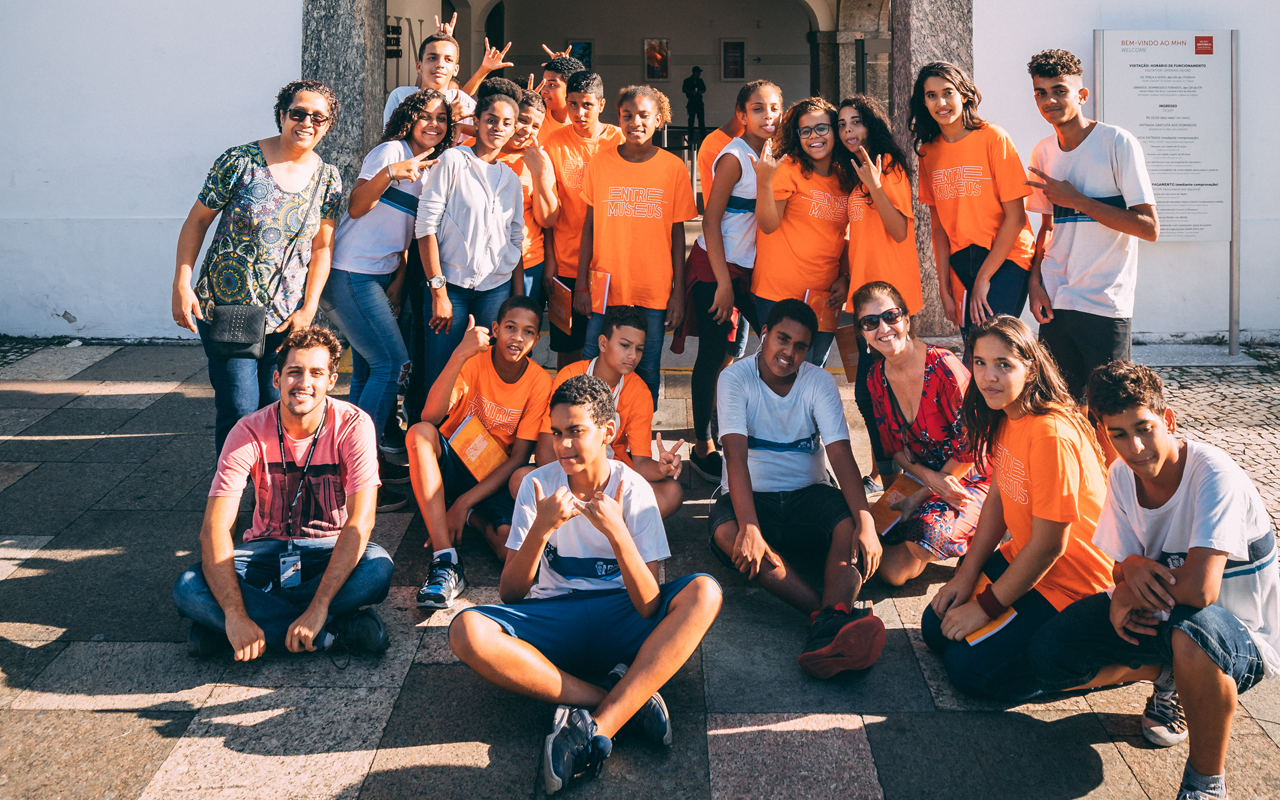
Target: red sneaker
[841,640]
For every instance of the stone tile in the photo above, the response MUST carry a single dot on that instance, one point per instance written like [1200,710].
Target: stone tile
[434,648]
[126,561]
[63,434]
[249,742]
[187,409]
[672,415]
[16,549]
[453,734]
[1263,702]
[49,754]
[15,420]
[389,530]
[173,363]
[114,676]
[38,395]
[677,385]
[749,657]
[413,557]
[197,498]
[813,756]
[20,663]
[12,471]
[165,478]
[55,363]
[1253,767]
[123,394]
[49,497]
[1119,709]
[131,448]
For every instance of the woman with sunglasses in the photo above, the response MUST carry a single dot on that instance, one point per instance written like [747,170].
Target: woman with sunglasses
[269,192]
[917,391]
[800,239]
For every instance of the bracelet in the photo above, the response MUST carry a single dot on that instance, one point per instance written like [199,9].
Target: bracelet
[390,177]
[990,605]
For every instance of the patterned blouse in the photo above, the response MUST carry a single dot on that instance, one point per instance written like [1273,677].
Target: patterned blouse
[258,220]
[937,434]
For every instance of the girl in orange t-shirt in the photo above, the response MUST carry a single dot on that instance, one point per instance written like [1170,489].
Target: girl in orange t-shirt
[1048,487]
[973,182]
[800,239]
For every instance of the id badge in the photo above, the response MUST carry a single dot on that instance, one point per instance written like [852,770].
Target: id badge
[290,570]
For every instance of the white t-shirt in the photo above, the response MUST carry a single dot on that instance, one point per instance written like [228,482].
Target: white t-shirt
[399,93]
[371,244]
[738,225]
[1217,507]
[1088,266]
[578,557]
[785,435]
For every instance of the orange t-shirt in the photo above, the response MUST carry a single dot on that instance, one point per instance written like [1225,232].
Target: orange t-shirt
[635,414]
[965,182]
[509,411]
[707,152]
[549,126]
[634,206]
[1045,467]
[804,252]
[873,254]
[570,154]
[532,248]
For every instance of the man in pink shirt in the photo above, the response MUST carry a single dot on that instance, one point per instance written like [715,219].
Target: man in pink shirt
[307,571]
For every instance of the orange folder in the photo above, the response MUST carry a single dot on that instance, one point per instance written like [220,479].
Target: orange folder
[886,517]
[847,344]
[828,318]
[992,627]
[477,448]
[560,306]
[599,291]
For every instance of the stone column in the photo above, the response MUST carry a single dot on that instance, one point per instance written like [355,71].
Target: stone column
[925,31]
[824,65]
[865,42]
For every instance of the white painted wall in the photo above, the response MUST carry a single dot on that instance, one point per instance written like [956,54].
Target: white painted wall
[1182,287]
[113,114]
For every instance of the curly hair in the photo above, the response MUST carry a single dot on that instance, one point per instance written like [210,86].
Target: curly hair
[497,85]
[564,66]
[786,142]
[584,82]
[589,391]
[880,141]
[532,100]
[659,99]
[285,99]
[414,108]
[307,338]
[923,126]
[1053,63]
[1121,385]
[744,94]
[488,101]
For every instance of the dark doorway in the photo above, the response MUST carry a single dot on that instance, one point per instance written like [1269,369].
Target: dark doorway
[495,30]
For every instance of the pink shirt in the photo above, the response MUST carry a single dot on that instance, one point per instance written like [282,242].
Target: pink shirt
[345,462]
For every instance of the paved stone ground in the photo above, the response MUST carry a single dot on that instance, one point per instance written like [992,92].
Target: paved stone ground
[105,460]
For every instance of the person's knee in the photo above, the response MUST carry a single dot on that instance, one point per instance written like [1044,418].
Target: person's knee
[931,631]
[964,673]
[702,594]
[467,633]
[1186,651]
[725,535]
[423,441]
[669,494]
[517,478]
[187,587]
[894,574]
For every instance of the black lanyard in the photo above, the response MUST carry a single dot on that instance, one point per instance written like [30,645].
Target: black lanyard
[302,479]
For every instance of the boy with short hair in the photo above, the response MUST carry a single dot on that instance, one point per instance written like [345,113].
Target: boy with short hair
[580,595]
[555,76]
[1096,201]
[437,66]
[492,378]
[571,149]
[1196,605]
[776,410]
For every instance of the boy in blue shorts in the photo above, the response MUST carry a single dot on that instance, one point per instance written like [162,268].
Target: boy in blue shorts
[580,595]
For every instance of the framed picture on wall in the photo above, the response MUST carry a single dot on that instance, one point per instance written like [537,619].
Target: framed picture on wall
[657,60]
[581,50]
[733,60]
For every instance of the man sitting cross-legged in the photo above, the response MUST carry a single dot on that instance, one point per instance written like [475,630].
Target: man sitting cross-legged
[580,595]
[621,345]
[1196,605]
[776,412]
[307,570]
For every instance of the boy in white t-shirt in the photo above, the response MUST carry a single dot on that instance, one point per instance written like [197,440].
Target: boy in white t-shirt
[437,67]
[1196,606]
[580,595]
[777,415]
[1095,199]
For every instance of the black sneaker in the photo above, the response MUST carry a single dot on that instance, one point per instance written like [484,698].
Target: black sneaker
[445,582]
[1164,723]
[392,447]
[390,499]
[870,486]
[709,467]
[651,722]
[206,642]
[572,749]
[841,640]
[361,632]
[392,473]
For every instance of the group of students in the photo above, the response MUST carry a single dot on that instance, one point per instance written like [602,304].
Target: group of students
[506,197]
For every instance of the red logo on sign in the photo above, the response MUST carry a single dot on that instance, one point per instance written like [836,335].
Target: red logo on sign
[1204,45]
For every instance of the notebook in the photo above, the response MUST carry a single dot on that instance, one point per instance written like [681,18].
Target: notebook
[994,626]
[828,318]
[477,448]
[560,306]
[885,517]
[599,291]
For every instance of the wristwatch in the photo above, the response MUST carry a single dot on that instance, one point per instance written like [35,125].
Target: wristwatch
[436,282]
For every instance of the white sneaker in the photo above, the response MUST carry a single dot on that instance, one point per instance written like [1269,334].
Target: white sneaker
[1163,723]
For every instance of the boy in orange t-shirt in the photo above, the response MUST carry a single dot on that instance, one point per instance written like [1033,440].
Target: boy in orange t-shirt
[638,198]
[571,149]
[538,185]
[492,378]
[555,76]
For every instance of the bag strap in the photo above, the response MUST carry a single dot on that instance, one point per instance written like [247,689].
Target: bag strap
[293,240]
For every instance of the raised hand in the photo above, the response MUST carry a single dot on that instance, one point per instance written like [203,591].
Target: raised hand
[476,339]
[553,54]
[669,462]
[446,27]
[493,57]
[411,169]
[536,89]
[605,513]
[869,171]
[556,509]
[766,165]
[1060,193]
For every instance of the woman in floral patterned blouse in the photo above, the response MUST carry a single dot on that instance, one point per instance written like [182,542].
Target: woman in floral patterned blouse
[264,190]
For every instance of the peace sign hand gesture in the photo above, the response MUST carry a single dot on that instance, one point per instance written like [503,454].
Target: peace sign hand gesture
[493,57]
[536,89]
[869,171]
[411,169]
[669,462]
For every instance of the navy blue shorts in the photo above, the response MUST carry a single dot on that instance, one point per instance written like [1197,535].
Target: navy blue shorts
[586,634]
[497,509]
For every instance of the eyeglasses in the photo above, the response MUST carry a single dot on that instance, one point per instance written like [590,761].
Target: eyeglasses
[300,114]
[821,129]
[872,321]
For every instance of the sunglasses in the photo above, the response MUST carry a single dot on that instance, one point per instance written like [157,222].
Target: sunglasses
[821,129]
[872,321]
[299,114]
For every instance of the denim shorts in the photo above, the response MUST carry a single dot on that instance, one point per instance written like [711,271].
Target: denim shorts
[797,524]
[1070,649]
[497,509]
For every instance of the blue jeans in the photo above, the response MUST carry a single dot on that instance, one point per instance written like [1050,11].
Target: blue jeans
[533,284]
[241,386]
[818,348]
[483,305]
[1074,646]
[1007,293]
[274,609]
[650,366]
[997,666]
[358,304]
